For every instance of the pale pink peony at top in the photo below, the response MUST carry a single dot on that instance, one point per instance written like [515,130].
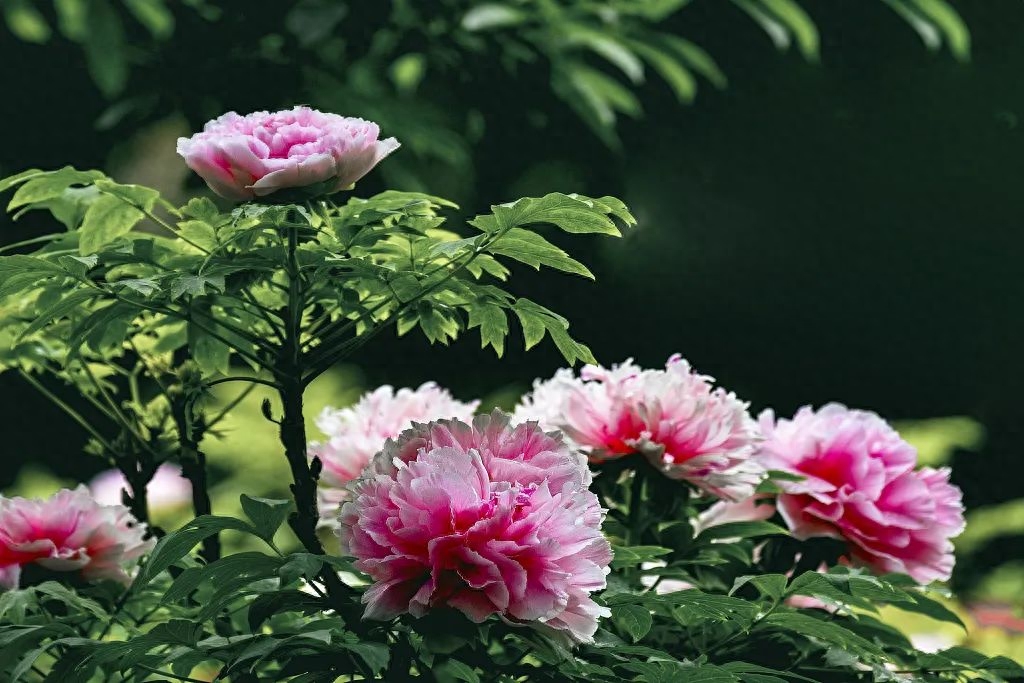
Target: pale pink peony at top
[166,490]
[675,417]
[357,433]
[69,532]
[244,157]
[487,519]
[860,486]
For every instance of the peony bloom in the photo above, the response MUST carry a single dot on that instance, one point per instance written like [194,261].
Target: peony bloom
[167,490]
[358,433]
[69,532]
[244,157]
[488,519]
[860,486]
[684,426]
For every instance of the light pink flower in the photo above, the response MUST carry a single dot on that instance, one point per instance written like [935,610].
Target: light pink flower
[466,517]
[675,417]
[860,486]
[244,157]
[357,433]
[166,490]
[69,532]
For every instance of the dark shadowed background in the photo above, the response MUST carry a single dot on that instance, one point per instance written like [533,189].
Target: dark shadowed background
[848,230]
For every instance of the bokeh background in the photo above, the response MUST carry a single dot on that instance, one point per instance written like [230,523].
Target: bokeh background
[828,194]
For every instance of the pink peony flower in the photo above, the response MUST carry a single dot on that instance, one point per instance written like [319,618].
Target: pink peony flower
[488,519]
[69,532]
[860,486]
[244,157]
[167,490]
[358,433]
[684,426]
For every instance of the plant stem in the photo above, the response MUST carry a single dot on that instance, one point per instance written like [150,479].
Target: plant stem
[193,468]
[289,378]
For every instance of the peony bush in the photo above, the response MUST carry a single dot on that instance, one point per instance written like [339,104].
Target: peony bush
[620,524]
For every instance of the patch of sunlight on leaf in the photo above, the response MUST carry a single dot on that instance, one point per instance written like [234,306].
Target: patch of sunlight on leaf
[935,439]
[987,522]
[36,482]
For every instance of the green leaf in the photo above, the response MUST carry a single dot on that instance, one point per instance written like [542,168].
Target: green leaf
[607,46]
[195,285]
[300,565]
[105,220]
[570,213]
[634,620]
[696,58]
[944,16]
[67,305]
[18,178]
[929,607]
[104,47]
[630,556]
[532,249]
[682,82]
[267,514]
[452,670]
[375,655]
[769,585]
[177,544]
[493,324]
[211,354]
[26,22]
[810,626]
[40,186]
[741,530]
[155,16]
[491,15]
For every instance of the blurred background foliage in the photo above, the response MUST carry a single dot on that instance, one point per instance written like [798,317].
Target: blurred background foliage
[828,210]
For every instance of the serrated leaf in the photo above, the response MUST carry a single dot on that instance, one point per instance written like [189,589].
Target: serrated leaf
[493,324]
[532,249]
[570,213]
[195,285]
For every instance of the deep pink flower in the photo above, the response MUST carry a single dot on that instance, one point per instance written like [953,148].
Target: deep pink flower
[69,532]
[244,157]
[357,433]
[467,517]
[860,486]
[168,489]
[675,417]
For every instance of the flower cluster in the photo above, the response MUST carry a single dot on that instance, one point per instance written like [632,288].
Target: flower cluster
[858,484]
[244,157]
[356,434]
[69,532]
[488,518]
[675,417]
